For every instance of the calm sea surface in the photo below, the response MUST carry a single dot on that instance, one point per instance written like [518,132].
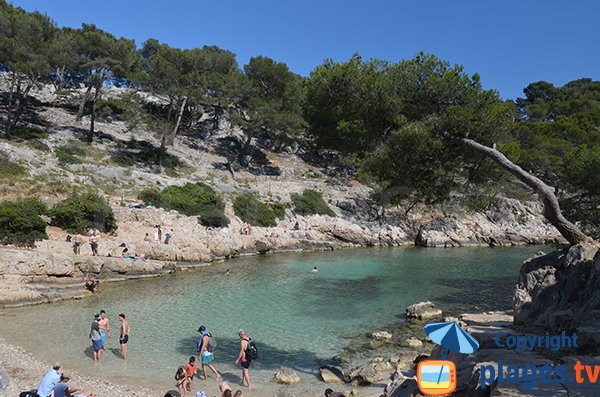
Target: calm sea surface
[297,319]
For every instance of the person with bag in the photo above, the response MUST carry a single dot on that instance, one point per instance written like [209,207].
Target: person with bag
[248,352]
[206,348]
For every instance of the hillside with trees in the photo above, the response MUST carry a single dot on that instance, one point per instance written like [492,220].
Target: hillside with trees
[420,132]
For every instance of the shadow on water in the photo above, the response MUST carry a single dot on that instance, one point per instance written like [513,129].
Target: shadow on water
[269,357]
[339,295]
[89,352]
[116,352]
[474,294]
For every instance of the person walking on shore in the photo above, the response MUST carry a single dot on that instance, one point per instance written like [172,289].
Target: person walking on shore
[104,326]
[124,338]
[205,353]
[191,369]
[50,380]
[244,357]
[96,339]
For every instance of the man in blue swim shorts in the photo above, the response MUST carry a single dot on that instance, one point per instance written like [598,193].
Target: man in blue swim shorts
[96,338]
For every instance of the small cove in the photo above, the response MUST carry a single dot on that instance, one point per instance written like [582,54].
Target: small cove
[298,319]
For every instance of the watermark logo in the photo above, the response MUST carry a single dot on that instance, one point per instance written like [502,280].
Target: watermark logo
[438,377]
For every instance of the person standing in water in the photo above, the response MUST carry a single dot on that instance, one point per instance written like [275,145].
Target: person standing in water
[205,355]
[124,338]
[96,339]
[314,270]
[246,361]
[104,326]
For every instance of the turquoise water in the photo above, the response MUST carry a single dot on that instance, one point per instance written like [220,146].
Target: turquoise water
[298,319]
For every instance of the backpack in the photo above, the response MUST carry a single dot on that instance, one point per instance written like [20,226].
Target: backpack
[251,351]
[212,344]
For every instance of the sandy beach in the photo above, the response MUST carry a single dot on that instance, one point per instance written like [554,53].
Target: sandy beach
[25,372]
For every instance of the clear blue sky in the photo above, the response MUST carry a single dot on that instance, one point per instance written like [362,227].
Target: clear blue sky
[510,43]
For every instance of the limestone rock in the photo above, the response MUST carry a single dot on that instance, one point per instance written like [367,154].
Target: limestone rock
[403,384]
[332,375]
[366,375]
[559,291]
[412,343]
[381,335]
[286,376]
[423,311]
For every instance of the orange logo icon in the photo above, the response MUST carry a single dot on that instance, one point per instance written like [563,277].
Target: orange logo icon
[436,377]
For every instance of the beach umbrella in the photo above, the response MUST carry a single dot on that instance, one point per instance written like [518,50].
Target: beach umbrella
[452,337]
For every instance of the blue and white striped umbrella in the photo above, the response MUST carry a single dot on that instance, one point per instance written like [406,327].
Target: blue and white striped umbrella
[452,337]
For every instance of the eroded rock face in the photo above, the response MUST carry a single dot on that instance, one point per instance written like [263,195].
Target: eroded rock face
[505,222]
[423,311]
[561,290]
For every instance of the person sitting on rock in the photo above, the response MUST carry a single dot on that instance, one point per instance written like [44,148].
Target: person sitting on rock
[92,284]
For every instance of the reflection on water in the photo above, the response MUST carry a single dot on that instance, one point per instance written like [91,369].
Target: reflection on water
[297,318]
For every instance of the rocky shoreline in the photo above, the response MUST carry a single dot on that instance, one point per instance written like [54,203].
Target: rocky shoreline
[51,272]
[396,352]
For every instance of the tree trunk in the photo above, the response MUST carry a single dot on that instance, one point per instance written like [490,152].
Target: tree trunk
[217,117]
[21,103]
[552,210]
[242,157]
[181,109]
[12,89]
[84,100]
[93,119]
[60,76]
[163,139]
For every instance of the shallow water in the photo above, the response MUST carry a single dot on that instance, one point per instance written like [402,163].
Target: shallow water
[297,319]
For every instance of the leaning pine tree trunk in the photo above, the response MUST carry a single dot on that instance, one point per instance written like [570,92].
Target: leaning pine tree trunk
[163,139]
[96,95]
[179,118]
[552,210]
[84,100]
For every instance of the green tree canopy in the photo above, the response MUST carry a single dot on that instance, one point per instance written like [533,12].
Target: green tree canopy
[269,101]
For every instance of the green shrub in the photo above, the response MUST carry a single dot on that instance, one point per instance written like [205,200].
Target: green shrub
[137,152]
[28,133]
[9,169]
[213,217]
[81,212]
[38,145]
[20,222]
[254,211]
[67,154]
[279,210]
[150,196]
[310,202]
[190,198]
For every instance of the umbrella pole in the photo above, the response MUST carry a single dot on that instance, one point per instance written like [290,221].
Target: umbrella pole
[444,356]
